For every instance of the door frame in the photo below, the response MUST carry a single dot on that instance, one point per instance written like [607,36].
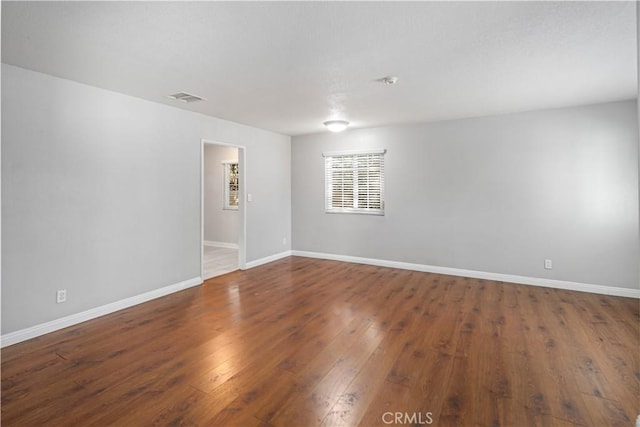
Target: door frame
[242,209]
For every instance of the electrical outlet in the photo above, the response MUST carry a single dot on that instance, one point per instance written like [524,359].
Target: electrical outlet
[61,296]
[284,240]
[548,264]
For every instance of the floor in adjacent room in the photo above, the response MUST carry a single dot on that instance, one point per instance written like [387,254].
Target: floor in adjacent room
[218,261]
[306,342]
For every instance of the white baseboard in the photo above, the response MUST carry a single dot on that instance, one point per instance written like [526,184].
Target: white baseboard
[54,325]
[220,244]
[547,283]
[268,259]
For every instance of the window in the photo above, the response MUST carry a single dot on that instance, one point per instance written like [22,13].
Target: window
[354,182]
[231,186]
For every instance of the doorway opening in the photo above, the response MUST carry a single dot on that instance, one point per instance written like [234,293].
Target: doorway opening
[223,212]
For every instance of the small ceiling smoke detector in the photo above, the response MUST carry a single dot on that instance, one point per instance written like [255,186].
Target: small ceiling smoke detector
[186,97]
[336,125]
[389,80]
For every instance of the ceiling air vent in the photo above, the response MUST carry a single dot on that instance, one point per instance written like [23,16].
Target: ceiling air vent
[186,97]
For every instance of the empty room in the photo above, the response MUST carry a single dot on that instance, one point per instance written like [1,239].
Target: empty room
[320,213]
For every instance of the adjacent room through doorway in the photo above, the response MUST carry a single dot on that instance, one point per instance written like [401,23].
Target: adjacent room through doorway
[221,210]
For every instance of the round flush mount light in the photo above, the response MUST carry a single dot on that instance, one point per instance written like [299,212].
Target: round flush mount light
[336,125]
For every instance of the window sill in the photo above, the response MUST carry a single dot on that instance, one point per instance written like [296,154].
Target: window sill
[354,211]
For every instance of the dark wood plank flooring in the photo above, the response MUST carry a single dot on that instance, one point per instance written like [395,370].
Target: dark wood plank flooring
[304,342]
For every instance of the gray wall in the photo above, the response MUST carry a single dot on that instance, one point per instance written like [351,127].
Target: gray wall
[220,225]
[496,194]
[101,195]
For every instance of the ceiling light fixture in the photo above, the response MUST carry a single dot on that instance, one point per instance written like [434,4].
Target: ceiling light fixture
[336,125]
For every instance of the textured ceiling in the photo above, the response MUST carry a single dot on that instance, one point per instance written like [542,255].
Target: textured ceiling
[289,66]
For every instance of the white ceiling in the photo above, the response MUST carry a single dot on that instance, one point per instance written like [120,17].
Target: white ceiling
[289,66]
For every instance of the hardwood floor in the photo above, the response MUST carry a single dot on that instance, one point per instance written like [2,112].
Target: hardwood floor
[303,342]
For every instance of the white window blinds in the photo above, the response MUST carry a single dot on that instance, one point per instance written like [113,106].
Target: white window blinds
[354,182]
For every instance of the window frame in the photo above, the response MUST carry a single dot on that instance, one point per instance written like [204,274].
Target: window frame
[226,179]
[356,170]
